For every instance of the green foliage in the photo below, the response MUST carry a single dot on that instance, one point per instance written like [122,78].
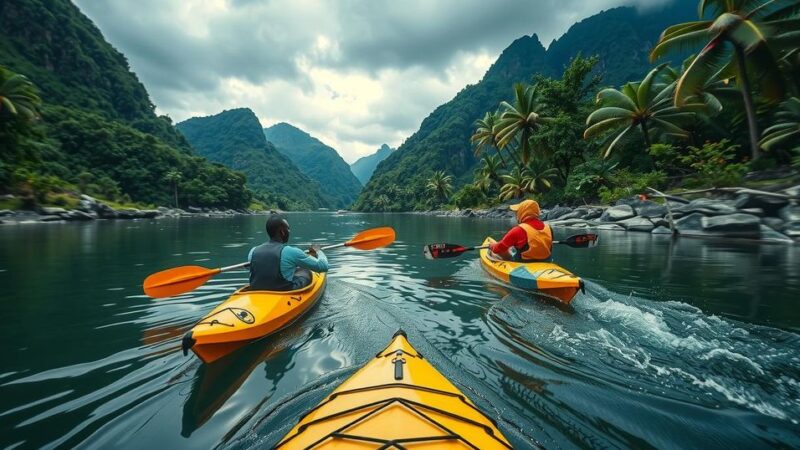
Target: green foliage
[235,138]
[585,181]
[469,196]
[440,185]
[785,133]
[713,164]
[318,162]
[625,183]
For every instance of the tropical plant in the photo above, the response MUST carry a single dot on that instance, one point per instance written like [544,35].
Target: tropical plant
[785,133]
[485,136]
[644,105]
[736,43]
[515,185]
[711,93]
[520,120]
[538,175]
[173,177]
[18,95]
[440,185]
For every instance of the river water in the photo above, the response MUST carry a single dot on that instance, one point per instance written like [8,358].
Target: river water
[675,344]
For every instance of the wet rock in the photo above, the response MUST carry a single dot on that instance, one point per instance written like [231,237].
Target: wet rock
[769,204]
[791,229]
[770,235]
[46,211]
[637,224]
[194,210]
[733,225]
[593,213]
[617,213]
[661,230]
[105,212]
[754,211]
[775,223]
[49,218]
[706,207]
[793,191]
[790,213]
[6,212]
[610,227]
[78,216]
[652,210]
[691,225]
[556,213]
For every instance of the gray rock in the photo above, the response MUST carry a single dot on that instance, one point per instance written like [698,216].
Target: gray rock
[733,225]
[78,216]
[129,213]
[791,229]
[770,235]
[557,212]
[637,224]
[105,212]
[633,202]
[617,213]
[706,207]
[754,211]
[661,230]
[576,214]
[770,205]
[163,209]
[46,211]
[6,212]
[610,227]
[793,191]
[194,210]
[593,213]
[691,225]
[652,210]
[49,218]
[790,213]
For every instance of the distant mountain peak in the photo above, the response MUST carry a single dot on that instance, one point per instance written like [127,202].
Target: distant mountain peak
[364,167]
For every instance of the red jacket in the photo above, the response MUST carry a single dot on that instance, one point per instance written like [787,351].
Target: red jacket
[516,237]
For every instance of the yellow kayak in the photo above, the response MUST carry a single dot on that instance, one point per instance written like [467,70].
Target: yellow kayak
[398,400]
[548,278]
[249,315]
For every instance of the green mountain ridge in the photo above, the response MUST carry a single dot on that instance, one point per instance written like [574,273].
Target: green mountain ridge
[235,138]
[318,161]
[365,166]
[97,118]
[442,142]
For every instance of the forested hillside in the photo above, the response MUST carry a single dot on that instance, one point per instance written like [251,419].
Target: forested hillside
[318,161]
[621,37]
[96,130]
[364,167]
[235,138]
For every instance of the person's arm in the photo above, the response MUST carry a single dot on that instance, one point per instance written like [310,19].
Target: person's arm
[298,258]
[250,255]
[511,239]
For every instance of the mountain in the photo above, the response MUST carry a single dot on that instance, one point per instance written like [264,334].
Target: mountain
[235,138]
[364,167]
[318,161]
[99,129]
[622,37]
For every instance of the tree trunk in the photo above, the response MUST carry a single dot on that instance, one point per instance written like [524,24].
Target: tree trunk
[646,132]
[503,160]
[749,107]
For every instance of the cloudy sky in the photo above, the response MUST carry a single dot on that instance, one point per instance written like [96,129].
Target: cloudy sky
[353,73]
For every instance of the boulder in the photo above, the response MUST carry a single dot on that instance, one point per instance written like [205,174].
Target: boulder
[78,216]
[610,227]
[791,229]
[149,213]
[769,204]
[617,213]
[793,191]
[46,211]
[634,202]
[128,213]
[790,213]
[661,230]
[194,210]
[770,235]
[652,210]
[776,223]
[637,224]
[691,225]
[733,225]
[6,212]
[49,218]
[593,213]
[556,213]
[706,207]
[754,211]
[105,212]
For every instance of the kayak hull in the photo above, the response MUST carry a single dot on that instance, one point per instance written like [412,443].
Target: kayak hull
[397,400]
[247,316]
[547,278]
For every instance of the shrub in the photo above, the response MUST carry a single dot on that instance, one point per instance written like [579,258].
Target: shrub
[469,196]
[626,183]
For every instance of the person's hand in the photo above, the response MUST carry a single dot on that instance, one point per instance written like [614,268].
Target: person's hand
[313,250]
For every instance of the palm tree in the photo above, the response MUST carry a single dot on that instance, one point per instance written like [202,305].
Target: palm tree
[735,42]
[173,176]
[18,95]
[538,174]
[440,185]
[710,93]
[482,181]
[520,120]
[515,185]
[787,130]
[645,105]
[490,165]
[485,136]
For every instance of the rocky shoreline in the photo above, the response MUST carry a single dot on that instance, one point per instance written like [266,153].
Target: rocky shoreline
[91,209]
[740,214]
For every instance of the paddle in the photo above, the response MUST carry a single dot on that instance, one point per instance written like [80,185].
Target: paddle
[440,251]
[179,280]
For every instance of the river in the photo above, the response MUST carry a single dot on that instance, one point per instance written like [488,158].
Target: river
[675,344]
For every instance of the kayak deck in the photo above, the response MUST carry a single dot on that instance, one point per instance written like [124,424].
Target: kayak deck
[548,278]
[249,315]
[398,400]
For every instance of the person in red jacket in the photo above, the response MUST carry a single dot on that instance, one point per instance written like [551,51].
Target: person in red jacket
[531,238]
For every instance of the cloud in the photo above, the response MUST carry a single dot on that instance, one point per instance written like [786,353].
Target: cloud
[353,73]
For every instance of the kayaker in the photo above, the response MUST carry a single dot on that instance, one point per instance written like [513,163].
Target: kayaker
[275,266]
[531,238]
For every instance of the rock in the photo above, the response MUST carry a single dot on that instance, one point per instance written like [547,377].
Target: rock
[128,213]
[637,224]
[149,213]
[617,213]
[770,235]
[791,229]
[49,218]
[194,210]
[691,225]
[775,223]
[6,212]
[661,230]
[556,213]
[593,213]
[576,214]
[660,222]
[754,211]
[610,227]
[652,210]
[770,205]
[46,211]
[733,225]
[105,212]
[634,202]
[705,206]
[793,191]
[790,213]
[163,209]
[78,216]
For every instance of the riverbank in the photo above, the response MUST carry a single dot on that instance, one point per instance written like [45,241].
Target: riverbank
[738,213]
[92,209]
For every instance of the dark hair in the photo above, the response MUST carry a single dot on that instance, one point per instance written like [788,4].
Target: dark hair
[274,223]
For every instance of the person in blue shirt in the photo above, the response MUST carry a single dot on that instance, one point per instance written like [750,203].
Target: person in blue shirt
[275,266]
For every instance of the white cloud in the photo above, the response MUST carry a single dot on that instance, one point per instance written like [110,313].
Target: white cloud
[353,73]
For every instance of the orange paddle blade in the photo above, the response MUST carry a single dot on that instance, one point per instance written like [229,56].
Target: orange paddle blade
[177,281]
[372,239]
